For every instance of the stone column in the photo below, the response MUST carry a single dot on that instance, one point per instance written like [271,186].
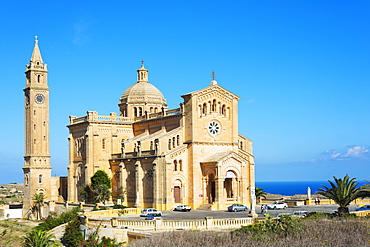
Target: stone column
[234,188]
[204,190]
[219,189]
[155,186]
[138,184]
[122,181]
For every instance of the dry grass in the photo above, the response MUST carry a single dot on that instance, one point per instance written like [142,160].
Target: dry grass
[350,232]
[12,232]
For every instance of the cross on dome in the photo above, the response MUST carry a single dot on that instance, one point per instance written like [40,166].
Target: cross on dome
[213,82]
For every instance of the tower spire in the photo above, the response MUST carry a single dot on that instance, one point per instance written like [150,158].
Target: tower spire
[36,54]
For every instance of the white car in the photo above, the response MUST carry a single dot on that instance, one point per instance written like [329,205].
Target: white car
[277,205]
[147,211]
[182,208]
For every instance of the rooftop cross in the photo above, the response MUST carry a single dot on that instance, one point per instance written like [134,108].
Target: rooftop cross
[213,75]
[142,63]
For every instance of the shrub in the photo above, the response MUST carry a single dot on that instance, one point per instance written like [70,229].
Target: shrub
[283,226]
[51,223]
[116,206]
[72,235]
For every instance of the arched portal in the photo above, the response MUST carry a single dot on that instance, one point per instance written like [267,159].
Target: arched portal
[230,184]
[177,191]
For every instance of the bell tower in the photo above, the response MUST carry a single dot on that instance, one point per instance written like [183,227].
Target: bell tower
[37,167]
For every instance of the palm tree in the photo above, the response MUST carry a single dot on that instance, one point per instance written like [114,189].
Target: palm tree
[37,204]
[259,193]
[40,239]
[343,192]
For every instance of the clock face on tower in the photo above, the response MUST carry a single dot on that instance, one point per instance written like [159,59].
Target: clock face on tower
[39,98]
[214,128]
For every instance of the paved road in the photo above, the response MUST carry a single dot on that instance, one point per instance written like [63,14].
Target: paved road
[220,214]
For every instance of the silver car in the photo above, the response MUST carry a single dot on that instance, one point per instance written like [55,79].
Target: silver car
[237,207]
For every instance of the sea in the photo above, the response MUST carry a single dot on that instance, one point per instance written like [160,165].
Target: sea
[290,188]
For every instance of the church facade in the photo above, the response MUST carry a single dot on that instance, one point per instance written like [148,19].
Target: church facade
[162,157]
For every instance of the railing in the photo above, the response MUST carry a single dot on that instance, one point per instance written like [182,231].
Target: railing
[166,225]
[173,111]
[92,116]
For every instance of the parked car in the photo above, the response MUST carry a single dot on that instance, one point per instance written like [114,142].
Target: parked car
[300,214]
[277,205]
[237,207]
[147,211]
[153,216]
[363,207]
[182,208]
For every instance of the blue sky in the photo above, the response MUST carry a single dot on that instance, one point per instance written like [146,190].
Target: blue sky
[301,69]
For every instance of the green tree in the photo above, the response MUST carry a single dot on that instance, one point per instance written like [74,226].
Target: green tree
[102,193]
[38,202]
[100,177]
[120,193]
[40,239]
[260,193]
[343,192]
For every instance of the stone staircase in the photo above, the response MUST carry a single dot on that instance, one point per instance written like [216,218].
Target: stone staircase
[205,207]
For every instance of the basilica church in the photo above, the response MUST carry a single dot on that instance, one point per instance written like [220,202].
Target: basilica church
[159,157]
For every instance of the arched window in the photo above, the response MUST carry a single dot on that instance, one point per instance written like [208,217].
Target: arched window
[40,178]
[175,165]
[151,145]
[178,140]
[180,164]
[140,111]
[151,109]
[169,144]
[173,141]
[155,110]
[38,78]
[205,108]
[214,106]
[135,112]
[26,179]
[223,110]
[103,143]
[241,145]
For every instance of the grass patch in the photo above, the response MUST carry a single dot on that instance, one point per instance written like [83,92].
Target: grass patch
[12,232]
[314,232]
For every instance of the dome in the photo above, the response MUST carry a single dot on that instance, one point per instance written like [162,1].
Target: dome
[143,92]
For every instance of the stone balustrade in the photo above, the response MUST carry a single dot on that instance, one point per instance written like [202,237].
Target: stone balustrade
[166,225]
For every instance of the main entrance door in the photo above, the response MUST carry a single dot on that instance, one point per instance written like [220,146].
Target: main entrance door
[177,194]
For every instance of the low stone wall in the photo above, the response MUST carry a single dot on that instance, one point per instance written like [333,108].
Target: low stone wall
[112,212]
[300,202]
[166,225]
